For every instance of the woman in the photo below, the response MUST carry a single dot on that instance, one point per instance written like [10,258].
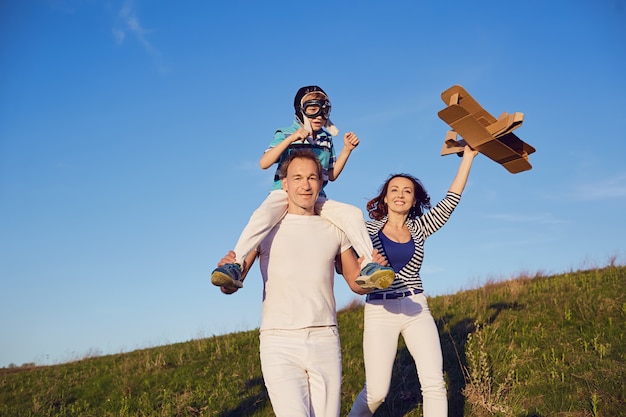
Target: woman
[399,228]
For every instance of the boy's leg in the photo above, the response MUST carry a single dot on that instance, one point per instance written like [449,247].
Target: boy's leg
[264,218]
[350,220]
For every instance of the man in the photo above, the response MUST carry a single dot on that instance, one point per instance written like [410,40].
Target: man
[299,341]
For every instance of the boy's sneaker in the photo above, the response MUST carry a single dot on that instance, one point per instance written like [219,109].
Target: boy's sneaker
[376,276]
[228,275]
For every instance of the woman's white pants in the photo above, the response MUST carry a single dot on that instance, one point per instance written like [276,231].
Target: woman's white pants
[385,320]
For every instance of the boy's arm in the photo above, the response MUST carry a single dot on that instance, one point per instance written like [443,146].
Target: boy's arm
[350,141]
[272,155]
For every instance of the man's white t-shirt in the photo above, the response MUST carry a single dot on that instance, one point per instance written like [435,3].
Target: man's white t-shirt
[297,264]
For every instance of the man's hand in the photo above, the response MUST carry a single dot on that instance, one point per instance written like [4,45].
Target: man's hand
[229,290]
[229,258]
[376,258]
[379,259]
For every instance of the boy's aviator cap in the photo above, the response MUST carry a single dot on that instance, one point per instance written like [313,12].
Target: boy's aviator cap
[297,103]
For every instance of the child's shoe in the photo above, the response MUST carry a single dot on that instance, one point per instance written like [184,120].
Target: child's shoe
[228,275]
[376,276]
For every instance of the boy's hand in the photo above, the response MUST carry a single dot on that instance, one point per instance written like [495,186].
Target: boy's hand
[300,134]
[350,140]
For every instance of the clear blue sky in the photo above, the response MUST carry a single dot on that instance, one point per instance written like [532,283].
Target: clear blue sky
[130,133]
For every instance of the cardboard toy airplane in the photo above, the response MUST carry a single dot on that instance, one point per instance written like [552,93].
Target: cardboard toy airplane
[492,137]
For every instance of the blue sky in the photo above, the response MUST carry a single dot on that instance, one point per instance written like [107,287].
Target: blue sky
[130,133]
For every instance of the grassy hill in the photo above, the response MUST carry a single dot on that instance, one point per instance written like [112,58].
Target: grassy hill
[530,346]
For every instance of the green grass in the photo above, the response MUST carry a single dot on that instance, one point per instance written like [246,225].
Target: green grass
[529,346]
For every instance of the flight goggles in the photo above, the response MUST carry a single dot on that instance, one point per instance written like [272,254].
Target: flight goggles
[314,108]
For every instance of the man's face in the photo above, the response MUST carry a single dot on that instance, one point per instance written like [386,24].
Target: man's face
[303,185]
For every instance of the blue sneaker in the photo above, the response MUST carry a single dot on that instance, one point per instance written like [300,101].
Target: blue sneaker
[376,276]
[228,275]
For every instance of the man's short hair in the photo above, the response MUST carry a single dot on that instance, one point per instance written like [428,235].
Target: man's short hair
[303,154]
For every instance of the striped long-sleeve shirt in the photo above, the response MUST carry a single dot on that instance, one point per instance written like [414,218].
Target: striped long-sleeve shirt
[408,278]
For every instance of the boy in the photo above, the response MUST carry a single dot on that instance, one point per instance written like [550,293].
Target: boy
[313,130]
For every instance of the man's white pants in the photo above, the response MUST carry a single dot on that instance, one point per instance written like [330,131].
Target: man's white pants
[302,371]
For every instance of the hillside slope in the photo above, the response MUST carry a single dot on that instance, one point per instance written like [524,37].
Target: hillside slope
[531,346]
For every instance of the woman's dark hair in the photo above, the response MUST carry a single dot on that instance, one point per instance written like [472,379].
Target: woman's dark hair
[377,208]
